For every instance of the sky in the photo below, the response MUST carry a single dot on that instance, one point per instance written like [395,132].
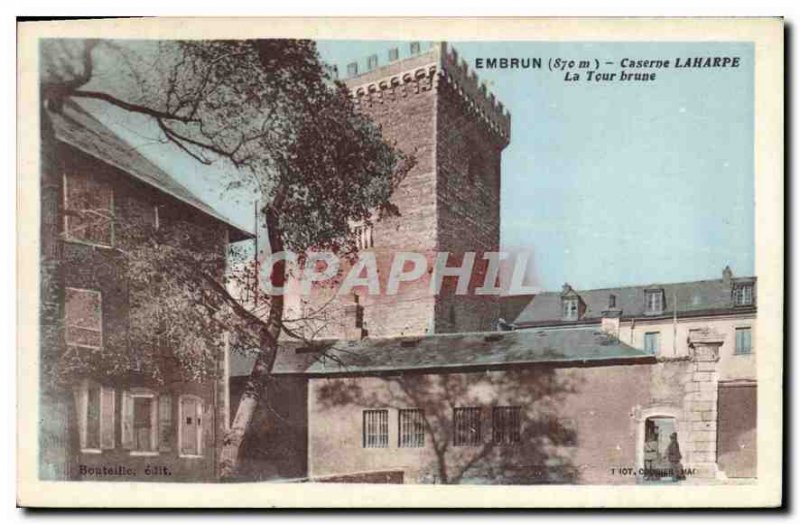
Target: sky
[618,183]
[608,184]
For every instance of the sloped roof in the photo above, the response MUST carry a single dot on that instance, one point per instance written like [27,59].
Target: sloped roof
[76,127]
[699,297]
[451,352]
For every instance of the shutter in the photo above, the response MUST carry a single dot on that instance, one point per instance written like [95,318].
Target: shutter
[127,420]
[204,412]
[81,400]
[153,424]
[165,431]
[107,418]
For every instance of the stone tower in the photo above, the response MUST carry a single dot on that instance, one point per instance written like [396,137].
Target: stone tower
[432,107]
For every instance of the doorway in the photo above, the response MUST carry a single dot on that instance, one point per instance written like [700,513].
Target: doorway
[657,432]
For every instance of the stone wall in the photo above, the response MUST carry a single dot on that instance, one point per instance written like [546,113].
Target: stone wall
[468,207]
[701,403]
[578,424]
[433,110]
[685,390]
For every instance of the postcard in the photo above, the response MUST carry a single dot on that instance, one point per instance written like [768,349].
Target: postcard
[400,263]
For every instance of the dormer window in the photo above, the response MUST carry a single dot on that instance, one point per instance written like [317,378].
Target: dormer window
[743,294]
[570,303]
[569,308]
[653,301]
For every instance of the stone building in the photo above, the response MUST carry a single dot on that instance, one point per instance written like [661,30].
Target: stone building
[107,418]
[435,110]
[661,319]
[415,387]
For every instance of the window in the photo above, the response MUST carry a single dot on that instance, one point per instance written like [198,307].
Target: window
[411,428]
[743,295]
[96,417]
[467,427]
[652,342]
[84,317]
[375,431]
[743,341]
[569,308]
[654,301]
[363,236]
[506,425]
[140,422]
[190,429]
[612,301]
[88,210]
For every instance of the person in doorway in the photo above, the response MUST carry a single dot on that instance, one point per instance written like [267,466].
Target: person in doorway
[674,456]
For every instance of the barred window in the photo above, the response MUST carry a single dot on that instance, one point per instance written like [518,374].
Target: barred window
[363,237]
[375,431]
[467,427]
[506,424]
[411,428]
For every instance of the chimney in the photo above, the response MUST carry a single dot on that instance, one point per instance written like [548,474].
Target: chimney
[414,48]
[394,54]
[352,69]
[611,315]
[354,320]
[727,274]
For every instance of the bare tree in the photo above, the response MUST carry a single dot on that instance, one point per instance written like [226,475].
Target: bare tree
[277,114]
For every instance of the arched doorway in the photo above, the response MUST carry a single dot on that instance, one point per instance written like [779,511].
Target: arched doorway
[658,435]
[668,419]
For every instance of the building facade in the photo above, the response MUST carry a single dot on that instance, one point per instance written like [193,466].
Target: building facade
[109,412]
[585,387]
[661,319]
[436,111]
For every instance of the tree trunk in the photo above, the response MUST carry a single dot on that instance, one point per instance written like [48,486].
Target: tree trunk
[254,391]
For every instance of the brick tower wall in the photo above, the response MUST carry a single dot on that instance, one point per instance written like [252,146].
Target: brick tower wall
[406,112]
[468,208]
[432,108]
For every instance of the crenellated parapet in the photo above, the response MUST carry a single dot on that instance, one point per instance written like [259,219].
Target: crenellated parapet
[437,68]
[456,72]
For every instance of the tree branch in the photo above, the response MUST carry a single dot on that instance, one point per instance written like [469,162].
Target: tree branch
[128,106]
